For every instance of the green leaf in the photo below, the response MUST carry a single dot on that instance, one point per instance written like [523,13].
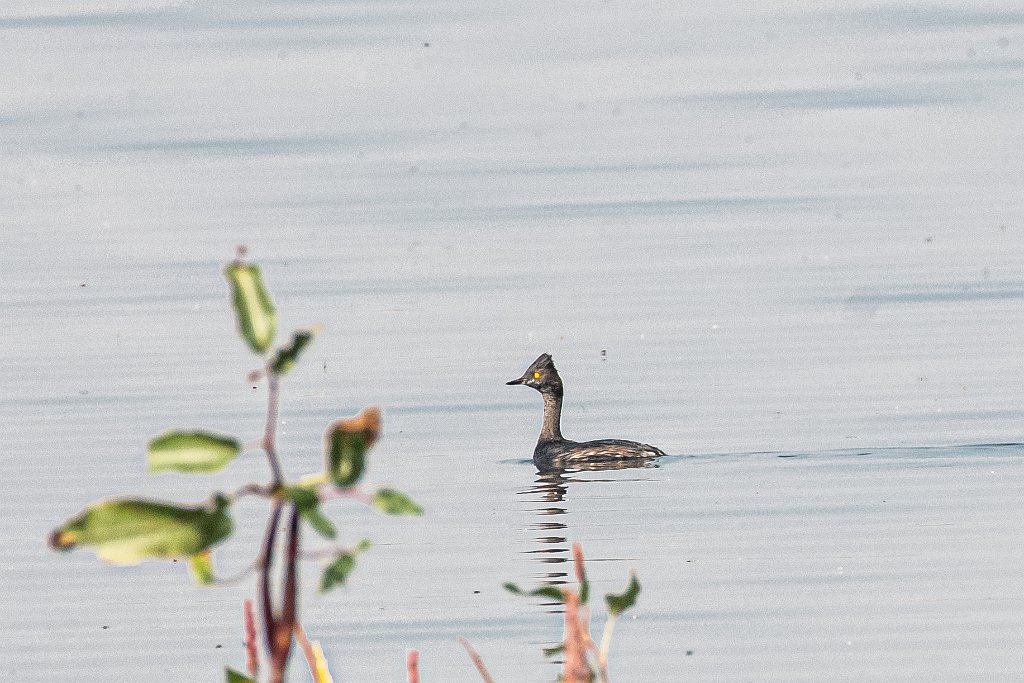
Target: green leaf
[392,502]
[346,442]
[287,356]
[196,451]
[320,524]
[554,650]
[307,502]
[201,565]
[235,677]
[552,592]
[337,572]
[257,318]
[127,531]
[617,604]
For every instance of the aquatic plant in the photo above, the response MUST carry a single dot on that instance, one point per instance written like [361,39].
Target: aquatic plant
[583,660]
[130,530]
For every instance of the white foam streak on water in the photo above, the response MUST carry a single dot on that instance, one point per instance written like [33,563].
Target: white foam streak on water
[790,230]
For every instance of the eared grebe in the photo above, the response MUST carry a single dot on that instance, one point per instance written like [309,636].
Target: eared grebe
[552,451]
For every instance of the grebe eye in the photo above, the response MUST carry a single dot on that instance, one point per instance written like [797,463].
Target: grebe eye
[536,375]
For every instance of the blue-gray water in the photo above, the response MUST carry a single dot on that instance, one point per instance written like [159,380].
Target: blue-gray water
[782,243]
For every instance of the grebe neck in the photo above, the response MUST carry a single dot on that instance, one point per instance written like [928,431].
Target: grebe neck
[551,429]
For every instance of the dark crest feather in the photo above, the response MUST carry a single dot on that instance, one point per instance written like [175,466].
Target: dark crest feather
[543,362]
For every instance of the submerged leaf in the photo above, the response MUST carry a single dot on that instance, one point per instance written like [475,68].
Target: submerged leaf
[308,504]
[337,572]
[257,318]
[126,531]
[392,502]
[287,356]
[346,442]
[235,677]
[201,565]
[195,451]
[617,604]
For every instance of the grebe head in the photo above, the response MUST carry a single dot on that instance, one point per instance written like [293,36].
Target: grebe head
[542,376]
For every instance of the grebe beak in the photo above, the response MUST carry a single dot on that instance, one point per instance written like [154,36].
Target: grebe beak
[522,380]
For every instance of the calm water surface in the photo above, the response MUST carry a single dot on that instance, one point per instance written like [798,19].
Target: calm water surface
[782,244]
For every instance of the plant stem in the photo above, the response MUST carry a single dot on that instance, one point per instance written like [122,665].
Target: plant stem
[478,661]
[575,668]
[270,429]
[237,577]
[252,658]
[331,492]
[412,666]
[317,665]
[278,629]
[264,566]
[289,613]
[253,490]
[284,624]
[602,654]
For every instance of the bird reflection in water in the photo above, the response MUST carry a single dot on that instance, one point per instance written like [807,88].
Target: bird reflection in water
[551,545]
[549,531]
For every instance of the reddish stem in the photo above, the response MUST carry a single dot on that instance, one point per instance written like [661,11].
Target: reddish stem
[264,566]
[412,666]
[478,661]
[271,624]
[331,492]
[284,626]
[252,653]
[577,559]
[575,668]
[270,428]
[307,649]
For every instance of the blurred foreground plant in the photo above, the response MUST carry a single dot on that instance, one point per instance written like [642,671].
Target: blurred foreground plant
[578,647]
[129,530]
[583,660]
